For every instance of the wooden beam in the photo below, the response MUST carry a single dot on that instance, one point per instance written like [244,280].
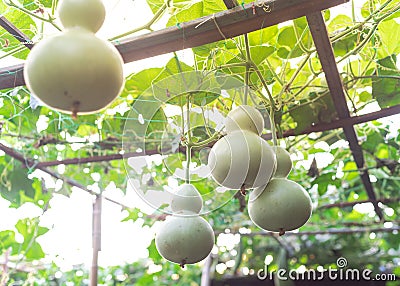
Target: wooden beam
[29,163]
[335,84]
[15,32]
[317,128]
[231,3]
[205,30]
[351,204]
[344,122]
[330,231]
[226,24]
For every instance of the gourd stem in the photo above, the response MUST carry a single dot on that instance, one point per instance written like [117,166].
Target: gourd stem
[273,127]
[247,74]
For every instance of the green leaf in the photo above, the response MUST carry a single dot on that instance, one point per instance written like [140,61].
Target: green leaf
[33,5]
[133,215]
[30,230]
[365,96]
[320,110]
[345,45]
[324,180]
[41,197]
[213,6]
[17,184]
[373,140]
[260,53]
[290,44]
[178,80]
[263,36]
[153,252]
[390,45]
[141,81]
[173,67]
[386,90]
[205,50]
[85,130]
[287,37]
[7,239]
[23,22]
[340,22]
[195,11]
[350,169]
[286,53]
[34,252]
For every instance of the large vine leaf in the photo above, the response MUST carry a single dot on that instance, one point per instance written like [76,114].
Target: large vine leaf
[321,109]
[386,89]
[289,43]
[260,37]
[7,240]
[196,10]
[17,185]
[30,230]
[193,12]
[390,45]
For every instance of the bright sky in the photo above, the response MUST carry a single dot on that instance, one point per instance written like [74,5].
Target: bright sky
[69,240]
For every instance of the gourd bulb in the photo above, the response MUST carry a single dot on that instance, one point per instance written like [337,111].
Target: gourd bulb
[281,206]
[185,239]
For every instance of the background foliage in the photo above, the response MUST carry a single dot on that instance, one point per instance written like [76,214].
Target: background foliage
[283,60]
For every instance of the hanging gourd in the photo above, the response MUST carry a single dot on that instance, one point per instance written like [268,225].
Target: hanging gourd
[185,237]
[74,71]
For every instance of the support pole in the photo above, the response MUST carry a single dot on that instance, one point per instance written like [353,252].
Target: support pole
[96,240]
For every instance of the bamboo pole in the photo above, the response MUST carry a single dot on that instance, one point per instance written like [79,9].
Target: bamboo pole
[96,239]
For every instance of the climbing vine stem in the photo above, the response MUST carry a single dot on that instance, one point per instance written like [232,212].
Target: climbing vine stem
[146,26]
[253,66]
[247,74]
[50,19]
[188,138]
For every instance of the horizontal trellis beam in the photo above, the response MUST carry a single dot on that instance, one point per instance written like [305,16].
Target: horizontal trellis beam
[326,231]
[29,163]
[353,203]
[316,128]
[205,30]
[16,33]
[327,58]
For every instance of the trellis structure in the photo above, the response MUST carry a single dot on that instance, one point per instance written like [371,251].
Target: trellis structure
[237,20]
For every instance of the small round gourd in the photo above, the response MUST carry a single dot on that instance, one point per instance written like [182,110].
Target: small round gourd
[185,239]
[281,206]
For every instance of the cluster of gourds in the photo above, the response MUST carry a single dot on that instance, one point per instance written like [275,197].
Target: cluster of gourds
[244,160]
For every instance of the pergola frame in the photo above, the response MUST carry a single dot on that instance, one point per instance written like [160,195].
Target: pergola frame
[235,21]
